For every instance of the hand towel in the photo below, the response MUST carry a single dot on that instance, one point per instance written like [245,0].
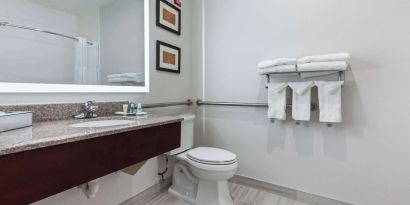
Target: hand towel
[330,101]
[277,100]
[301,100]
[277,62]
[277,69]
[325,58]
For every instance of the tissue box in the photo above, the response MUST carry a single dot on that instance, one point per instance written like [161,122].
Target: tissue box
[15,120]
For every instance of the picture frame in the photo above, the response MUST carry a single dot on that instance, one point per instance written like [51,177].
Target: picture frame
[178,2]
[168,57]
[168,17]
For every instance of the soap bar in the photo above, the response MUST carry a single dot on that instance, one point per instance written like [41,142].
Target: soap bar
[15,120]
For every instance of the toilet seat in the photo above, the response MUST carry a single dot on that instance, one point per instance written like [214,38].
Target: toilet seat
[211,156]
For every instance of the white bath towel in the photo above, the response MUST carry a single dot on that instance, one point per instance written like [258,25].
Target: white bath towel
[321,68]
[277,100]
[277,62]
[277,69]
[325,58]
[330,101]
[301,100]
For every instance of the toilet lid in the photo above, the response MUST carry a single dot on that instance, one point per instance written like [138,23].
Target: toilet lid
[213,156]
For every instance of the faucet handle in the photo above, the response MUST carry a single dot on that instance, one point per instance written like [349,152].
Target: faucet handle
[91,106]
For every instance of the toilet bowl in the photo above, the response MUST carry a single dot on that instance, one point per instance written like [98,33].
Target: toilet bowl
[201,174]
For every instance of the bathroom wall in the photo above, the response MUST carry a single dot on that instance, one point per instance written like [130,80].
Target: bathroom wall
[364,160]
[122,48]
[165,87]
[54,55]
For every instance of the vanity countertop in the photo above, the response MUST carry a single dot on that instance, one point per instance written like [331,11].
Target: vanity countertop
[45,134]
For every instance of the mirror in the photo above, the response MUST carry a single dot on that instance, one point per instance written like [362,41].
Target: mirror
[74,45]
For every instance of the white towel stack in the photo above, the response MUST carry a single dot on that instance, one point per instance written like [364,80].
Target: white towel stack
[126,78]
[328,63]
[280,65]
[277,100]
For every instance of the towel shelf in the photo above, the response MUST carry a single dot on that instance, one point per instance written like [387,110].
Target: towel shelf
[341,76]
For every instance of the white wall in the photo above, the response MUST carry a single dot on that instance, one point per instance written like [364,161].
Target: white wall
[122,37]
[165,87]
[362,161]
[53,59]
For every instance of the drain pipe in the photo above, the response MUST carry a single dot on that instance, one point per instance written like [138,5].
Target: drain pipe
[91,188]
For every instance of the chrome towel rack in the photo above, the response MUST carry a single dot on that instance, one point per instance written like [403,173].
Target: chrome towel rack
[314,106]
[168,104]
[341,75]
[40,30]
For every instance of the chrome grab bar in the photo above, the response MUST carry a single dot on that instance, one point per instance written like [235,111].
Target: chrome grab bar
[241,104]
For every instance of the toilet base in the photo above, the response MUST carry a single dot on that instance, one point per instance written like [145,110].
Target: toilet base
[199,192]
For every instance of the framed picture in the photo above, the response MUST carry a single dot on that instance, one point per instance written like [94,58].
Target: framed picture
[168,57]
[178,2]
[168,17]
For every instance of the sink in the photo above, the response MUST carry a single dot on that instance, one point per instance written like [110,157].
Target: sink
[102,123]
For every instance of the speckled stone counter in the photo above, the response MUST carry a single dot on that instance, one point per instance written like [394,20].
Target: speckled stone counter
[51,133]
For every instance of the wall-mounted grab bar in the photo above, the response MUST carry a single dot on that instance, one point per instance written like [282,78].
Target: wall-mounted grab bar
[240,104]
[40,30]
[168,104]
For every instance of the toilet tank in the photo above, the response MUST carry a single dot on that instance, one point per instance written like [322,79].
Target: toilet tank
[187,134]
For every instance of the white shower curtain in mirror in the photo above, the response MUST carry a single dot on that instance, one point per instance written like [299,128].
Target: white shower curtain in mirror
[87,63]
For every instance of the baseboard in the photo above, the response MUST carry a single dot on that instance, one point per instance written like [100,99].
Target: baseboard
[149,193]
[287,192]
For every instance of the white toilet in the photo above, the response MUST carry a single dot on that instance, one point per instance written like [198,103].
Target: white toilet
[200,174]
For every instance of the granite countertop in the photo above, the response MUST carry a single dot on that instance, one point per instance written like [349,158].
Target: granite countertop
[45,134]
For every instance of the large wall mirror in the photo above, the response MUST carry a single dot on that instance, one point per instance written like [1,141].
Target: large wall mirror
[74,46]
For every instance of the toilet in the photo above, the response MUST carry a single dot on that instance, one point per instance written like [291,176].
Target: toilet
[201,174]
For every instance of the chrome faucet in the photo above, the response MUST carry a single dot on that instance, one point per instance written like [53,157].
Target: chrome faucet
[90,111]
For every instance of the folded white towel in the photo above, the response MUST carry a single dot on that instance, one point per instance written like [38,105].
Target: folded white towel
[127,75]
[126,79]
[276,62]
[325,58]
[316,74]
[323,66]
[277,100]
[330,101]
[301,100]
[277,69]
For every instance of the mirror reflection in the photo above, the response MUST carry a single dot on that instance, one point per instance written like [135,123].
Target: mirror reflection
[86,42]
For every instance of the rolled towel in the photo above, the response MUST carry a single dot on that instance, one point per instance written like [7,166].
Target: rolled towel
[127,75]
[325,58]
[277,62]
[277,69]
[277,100]
[330,101]
[301,100]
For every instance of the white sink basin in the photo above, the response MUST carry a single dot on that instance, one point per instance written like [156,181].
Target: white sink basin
[102,123]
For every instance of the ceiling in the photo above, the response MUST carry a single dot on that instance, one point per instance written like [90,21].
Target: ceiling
[72,6]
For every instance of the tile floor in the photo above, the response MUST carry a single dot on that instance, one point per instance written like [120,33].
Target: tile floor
[243,195]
